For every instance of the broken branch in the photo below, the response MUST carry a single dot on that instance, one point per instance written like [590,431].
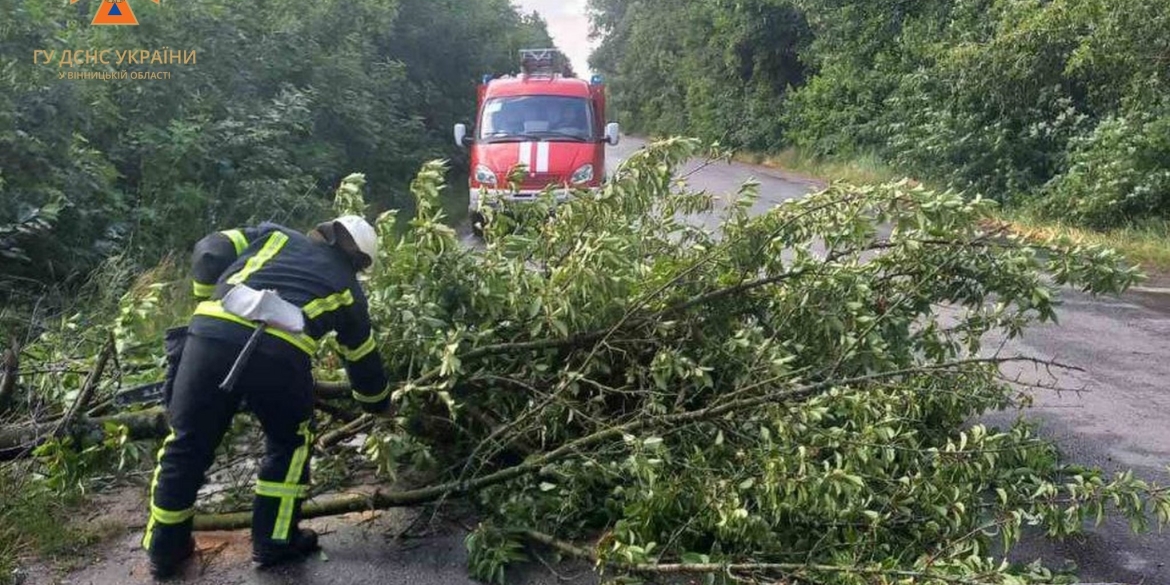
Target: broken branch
[145,424]
[87,390]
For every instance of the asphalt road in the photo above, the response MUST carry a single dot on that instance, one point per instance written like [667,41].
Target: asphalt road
[357,550]
[723,180]
[1120,420]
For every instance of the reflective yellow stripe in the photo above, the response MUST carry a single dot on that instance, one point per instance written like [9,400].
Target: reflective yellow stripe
[371,399]
[318,307]
[281,490]
[203,290]
[296,469]
[169,516]
[238,240]
[275,242]
[215,309]
[149,535]
[362,350]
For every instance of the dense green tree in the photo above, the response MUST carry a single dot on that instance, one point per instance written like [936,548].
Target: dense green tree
[1027,100]
[713,69]
[285,99]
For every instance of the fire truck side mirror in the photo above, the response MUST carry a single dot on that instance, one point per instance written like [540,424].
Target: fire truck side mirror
[613,133]
[461,138]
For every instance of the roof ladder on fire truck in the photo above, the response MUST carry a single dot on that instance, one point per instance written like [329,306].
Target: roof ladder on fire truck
[540,62]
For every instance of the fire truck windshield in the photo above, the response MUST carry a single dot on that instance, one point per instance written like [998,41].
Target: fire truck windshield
[536,117]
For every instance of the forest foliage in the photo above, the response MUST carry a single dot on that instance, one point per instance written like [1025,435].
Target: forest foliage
[284,99]
[1055,104]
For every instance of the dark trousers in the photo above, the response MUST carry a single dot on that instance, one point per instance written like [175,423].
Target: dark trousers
[279,391]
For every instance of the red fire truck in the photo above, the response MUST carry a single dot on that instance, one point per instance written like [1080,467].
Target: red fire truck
[552,125]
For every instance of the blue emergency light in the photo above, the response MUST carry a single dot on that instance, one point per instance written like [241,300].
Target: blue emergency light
[596,80]
[486,78]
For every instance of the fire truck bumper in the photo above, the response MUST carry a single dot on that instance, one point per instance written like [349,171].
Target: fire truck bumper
[494,197]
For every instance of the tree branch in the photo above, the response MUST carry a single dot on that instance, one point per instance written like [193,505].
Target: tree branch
[351,428]
[384,500]
[87,389]
[146,424]
[793,569]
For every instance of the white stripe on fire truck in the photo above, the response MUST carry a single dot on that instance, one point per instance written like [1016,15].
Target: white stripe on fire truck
[526,155]
[542,157]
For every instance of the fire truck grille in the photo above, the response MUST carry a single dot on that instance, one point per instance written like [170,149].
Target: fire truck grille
[540,180]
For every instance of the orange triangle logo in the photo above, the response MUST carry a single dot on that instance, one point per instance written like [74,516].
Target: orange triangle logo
[115,12]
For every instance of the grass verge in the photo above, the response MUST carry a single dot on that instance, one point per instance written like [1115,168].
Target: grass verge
[860,170]
[1147,244]
[38,522]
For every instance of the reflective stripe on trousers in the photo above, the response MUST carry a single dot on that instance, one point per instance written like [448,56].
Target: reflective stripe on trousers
[291,489]
[157,514]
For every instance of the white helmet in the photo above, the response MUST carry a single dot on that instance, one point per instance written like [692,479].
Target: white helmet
[363,234]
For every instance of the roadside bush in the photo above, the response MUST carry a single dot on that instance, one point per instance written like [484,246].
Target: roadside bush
[1003,157]
[833,114]
[1119,174]
[997,97]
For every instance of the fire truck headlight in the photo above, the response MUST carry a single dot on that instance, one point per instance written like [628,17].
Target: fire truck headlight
[582,175]
[484,175]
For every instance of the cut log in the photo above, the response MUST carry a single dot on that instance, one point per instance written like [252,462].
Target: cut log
[146,424]
[19,440]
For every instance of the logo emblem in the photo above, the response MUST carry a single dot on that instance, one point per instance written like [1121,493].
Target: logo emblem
[115,12]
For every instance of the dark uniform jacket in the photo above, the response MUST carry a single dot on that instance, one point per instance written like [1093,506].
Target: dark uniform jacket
[314,276]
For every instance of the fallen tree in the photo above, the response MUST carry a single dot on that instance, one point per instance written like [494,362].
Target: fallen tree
[672,393]
[788,398]
[391,499]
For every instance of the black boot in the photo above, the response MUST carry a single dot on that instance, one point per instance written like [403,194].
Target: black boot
[266,551]
[301,544]
[165,564]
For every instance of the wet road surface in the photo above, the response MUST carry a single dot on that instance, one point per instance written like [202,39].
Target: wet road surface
[358,550]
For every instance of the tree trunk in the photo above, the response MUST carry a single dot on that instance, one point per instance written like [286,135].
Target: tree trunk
[9,372]
[379,500]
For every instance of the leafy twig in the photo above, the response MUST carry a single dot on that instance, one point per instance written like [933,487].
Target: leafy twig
[792,569]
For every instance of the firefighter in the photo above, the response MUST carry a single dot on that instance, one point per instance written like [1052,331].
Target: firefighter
[317,274]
